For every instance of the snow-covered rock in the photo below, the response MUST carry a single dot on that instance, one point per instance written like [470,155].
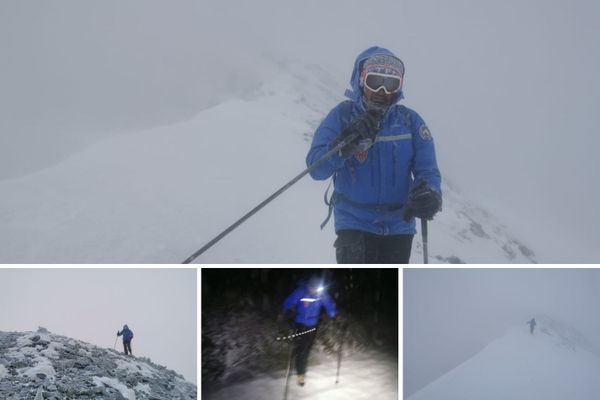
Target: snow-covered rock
[42,365]
[555,363]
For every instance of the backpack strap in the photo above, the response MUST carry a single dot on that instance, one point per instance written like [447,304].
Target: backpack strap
[329,202]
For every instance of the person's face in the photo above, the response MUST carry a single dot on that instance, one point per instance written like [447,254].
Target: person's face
[379,97]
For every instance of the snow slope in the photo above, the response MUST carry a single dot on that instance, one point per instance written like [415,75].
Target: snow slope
[362,376]
[56,367]
[555,363]
[156,196]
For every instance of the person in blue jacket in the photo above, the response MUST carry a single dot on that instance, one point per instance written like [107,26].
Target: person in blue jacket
[303,310]
[386,176]
[127,336]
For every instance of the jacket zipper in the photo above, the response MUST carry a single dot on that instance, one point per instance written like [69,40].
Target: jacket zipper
[394,156]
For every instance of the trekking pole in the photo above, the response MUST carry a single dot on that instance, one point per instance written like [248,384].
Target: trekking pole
[424,235]
[287,374]
[256,209]
[115,346]
[337,376]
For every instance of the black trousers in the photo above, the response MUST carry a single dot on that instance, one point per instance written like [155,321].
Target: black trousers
[302,348]
[127,347]
[358,247]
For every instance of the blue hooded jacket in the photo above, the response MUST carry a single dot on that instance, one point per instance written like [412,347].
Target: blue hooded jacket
[371,190]
[127,334]
[308,306]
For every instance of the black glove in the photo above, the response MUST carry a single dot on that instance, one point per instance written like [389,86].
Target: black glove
[365,128]
[423,202]
[117,333]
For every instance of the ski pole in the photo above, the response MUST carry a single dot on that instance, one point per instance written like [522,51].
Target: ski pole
[424,236]
[287,374]
[337,376]
[115,346]
[256,209]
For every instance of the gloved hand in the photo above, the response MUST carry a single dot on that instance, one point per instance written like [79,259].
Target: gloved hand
[423,202]
[118,333]
[365,127]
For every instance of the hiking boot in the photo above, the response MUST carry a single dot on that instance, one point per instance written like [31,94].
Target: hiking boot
[301,380]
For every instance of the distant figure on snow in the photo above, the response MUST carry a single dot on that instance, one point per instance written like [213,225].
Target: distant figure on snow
[127,336]
[303,309]
[531,325]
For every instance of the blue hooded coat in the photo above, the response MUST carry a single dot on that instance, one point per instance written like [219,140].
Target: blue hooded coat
[308,306]
[126,333]
[370,190]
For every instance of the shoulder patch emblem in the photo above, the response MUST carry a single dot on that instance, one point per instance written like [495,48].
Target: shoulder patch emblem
[425,133]
[361,156]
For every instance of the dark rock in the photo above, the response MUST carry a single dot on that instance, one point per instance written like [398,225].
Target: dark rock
[451,259]
[477,230]
[526,251]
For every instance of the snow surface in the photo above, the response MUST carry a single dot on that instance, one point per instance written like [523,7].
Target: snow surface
[43,366]
[3,371]
[143,387]
[362,376]
[555,363]
[115,384]
[156,196]
[133,366]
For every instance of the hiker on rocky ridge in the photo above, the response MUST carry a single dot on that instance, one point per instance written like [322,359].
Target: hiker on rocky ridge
[127,336]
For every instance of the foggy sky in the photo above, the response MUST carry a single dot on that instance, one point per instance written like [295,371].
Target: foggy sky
[451,314]
[509,89]
[159,305]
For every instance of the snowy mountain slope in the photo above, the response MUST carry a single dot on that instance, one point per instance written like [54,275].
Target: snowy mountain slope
[363,376]
[54,367]
[466,233]
[155,196]
[555,363]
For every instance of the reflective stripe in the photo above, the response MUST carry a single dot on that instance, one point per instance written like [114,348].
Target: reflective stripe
[296,334]
[308,299]
[405,136]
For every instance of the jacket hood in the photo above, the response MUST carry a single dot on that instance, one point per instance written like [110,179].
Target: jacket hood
[125,327]
[355,94]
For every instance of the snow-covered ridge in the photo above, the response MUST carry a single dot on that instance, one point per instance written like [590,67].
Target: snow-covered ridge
[464,232]
[156,196]
[55,367]
[555,363]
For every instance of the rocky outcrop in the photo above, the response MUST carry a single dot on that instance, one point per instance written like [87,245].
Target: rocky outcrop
[43,366]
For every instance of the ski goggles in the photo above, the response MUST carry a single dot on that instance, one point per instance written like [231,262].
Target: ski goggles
[390,83]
